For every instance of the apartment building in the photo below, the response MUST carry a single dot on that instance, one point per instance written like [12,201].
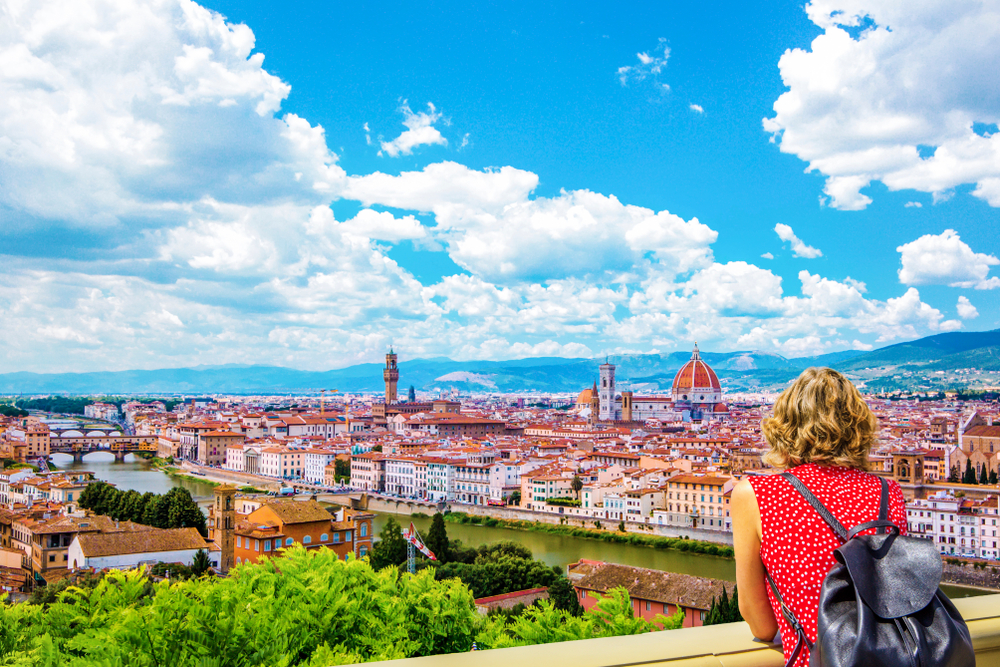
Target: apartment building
[282,462]
[695,501]
[368,472]
[958,526]
[315,462]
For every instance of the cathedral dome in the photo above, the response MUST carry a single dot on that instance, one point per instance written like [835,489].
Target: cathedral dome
[696,376]
[583,400]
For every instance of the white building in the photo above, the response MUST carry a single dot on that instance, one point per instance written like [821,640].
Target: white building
[130,549]
[315,462]
[957,526]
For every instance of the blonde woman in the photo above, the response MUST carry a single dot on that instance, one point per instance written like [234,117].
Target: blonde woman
[821,431]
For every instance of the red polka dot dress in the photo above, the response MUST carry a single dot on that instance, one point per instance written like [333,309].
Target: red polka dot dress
[797,545]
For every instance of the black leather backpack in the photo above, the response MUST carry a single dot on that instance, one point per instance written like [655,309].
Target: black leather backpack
[880,603]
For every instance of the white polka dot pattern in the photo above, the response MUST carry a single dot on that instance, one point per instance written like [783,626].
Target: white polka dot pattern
[797,545]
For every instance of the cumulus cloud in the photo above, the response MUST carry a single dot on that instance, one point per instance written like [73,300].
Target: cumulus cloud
[651,64]
[894,92]
[799,249]
[384,226]
[165,141]
[492,227]
[98,132]
[965,309]
[913,204]
[767,255]
[945,259]
[420,131]
[697,108]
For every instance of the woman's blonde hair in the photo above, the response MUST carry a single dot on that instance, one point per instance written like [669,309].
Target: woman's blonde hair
[822,419]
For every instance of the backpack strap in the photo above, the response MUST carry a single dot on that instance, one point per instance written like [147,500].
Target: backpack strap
[793,622]
[883,521]
[831,520]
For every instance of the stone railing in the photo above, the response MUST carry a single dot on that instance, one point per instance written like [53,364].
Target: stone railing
[727,645]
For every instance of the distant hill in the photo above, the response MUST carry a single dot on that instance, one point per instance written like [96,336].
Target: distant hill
[948,350]
[747,370]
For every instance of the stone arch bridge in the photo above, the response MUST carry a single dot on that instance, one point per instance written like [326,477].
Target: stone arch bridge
[79,445]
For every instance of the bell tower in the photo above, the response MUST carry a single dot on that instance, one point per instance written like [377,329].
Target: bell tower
[222,525]
[606,390]
[391,377]
[595,405]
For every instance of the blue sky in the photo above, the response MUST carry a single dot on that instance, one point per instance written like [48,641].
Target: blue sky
[491,181]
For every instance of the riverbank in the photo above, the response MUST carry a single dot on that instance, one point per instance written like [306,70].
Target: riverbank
[615,537]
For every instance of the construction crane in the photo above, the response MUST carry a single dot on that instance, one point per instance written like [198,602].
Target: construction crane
[322,400]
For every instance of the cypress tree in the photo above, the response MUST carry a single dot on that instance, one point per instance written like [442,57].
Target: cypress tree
[437,539]
[983,476]
[970,475]
[993,477]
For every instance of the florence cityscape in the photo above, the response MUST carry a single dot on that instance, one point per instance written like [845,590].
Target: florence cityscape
[342,333]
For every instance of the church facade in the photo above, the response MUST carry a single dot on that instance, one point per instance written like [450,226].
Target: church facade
[696,395]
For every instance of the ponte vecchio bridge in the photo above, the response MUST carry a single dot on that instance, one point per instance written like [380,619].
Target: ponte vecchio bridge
[78,444]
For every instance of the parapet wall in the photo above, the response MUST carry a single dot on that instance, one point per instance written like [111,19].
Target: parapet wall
[967,574]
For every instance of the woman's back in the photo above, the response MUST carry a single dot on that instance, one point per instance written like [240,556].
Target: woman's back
[797,545]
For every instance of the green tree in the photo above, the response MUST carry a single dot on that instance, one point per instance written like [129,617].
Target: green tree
[515,498]
[576,485]
[984,477]
[437,538]
[200,564]
[563,596]
[970,475]
[390,550]
[724,610]
[993,478]
[953,475]
[183,511]
[342,470]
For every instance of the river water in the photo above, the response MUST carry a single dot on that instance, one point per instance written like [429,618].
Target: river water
[132,473]
[137,473]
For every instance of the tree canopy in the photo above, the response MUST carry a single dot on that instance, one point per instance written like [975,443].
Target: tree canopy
[304,608]
[174,509]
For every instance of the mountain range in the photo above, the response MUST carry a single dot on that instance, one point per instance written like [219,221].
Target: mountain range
[936,359]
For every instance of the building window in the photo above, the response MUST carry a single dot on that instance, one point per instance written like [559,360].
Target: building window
[363,552]
[648,605]
[307,539]
[288,542]
[267,545]
[364,530]
[256,545]
[324,537]
[239,541]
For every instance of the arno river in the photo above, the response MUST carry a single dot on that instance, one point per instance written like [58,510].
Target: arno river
[560,550]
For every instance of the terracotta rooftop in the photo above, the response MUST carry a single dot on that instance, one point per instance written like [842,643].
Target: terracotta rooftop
[655,585]
[95,545]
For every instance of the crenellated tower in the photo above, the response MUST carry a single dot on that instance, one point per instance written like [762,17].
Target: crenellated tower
[391,376]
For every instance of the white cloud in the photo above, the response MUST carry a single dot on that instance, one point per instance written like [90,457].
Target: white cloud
[161,139]
[945,259]
[767,255]
[897,101]
[492,228]
[913,204]
[697,108]
[965,309]
[383,226]
[650,66]
[799,249]
[108,114]
[420,131]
